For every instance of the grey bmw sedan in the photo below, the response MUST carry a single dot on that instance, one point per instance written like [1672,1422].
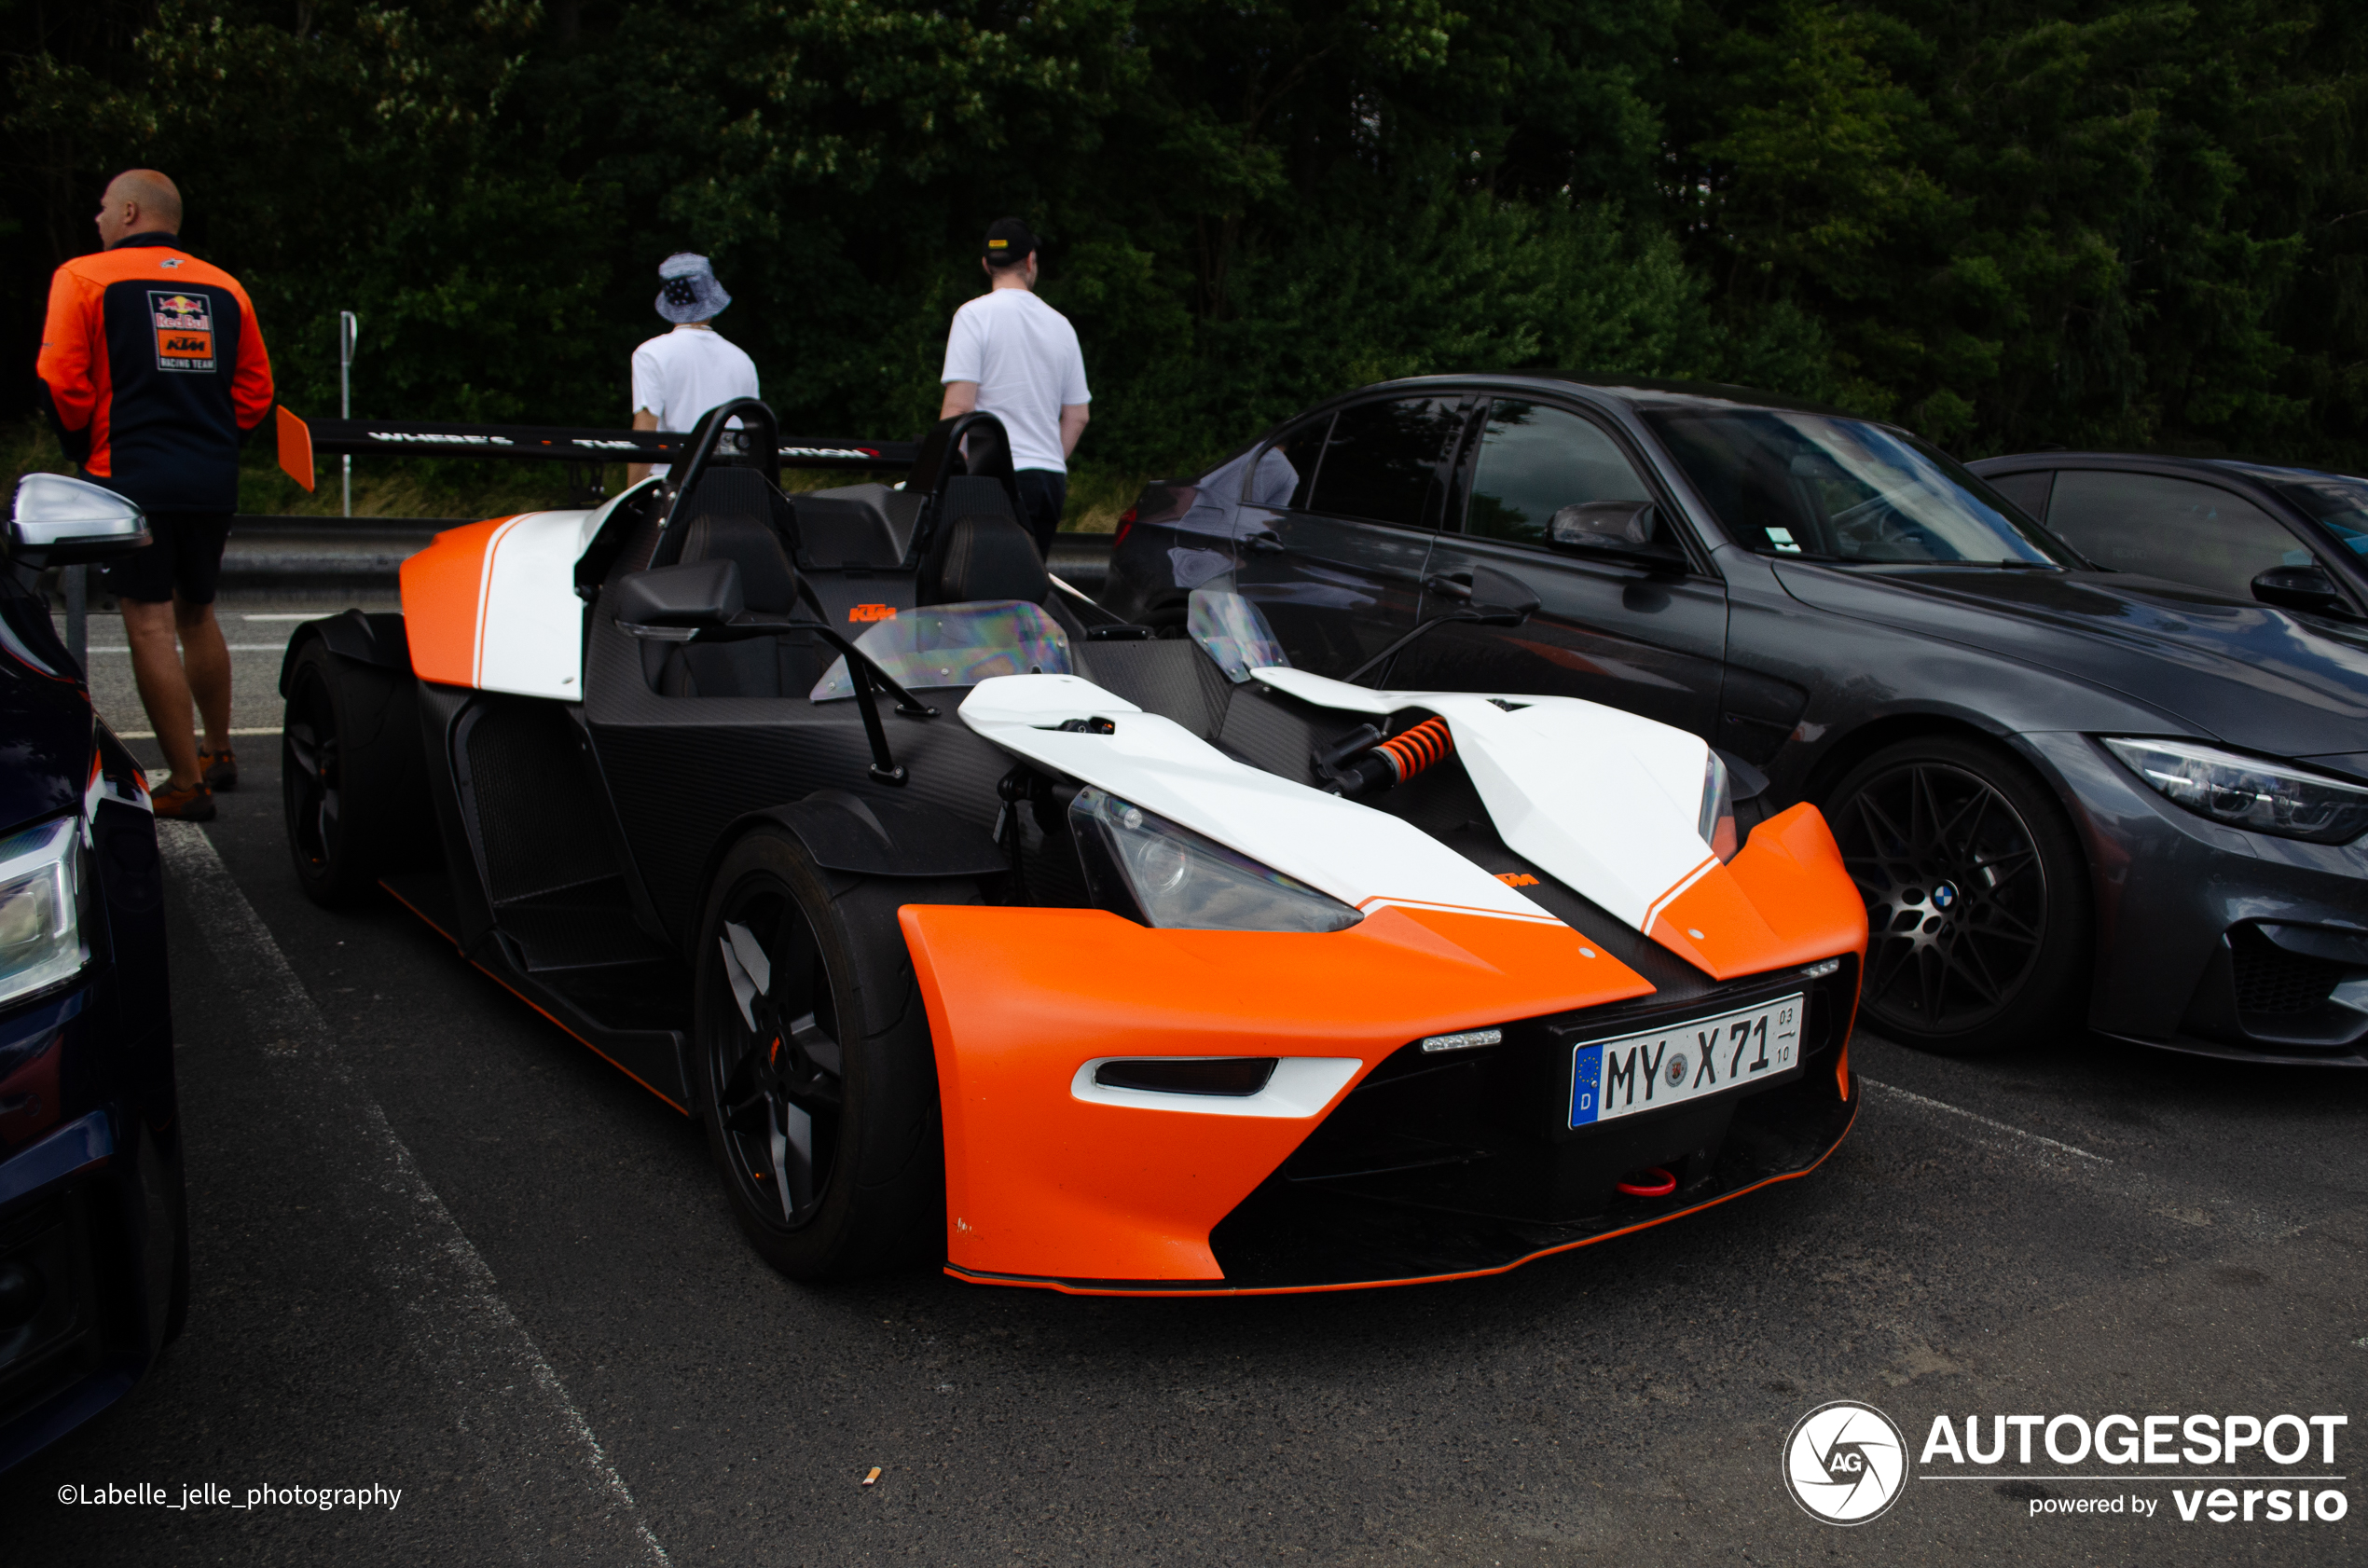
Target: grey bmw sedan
[2068,795]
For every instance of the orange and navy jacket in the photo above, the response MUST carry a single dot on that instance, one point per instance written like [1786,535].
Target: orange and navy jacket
[154,366]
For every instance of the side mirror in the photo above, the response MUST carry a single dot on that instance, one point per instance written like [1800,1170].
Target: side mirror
[675,603]
[2301,587]
[58,521]
[1619,529]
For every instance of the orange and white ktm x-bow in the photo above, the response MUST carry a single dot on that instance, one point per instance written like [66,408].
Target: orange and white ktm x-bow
[975,928]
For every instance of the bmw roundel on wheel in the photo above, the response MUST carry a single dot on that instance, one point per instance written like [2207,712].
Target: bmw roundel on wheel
[976,925]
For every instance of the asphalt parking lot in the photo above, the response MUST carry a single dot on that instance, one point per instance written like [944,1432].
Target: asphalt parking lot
[441,1248]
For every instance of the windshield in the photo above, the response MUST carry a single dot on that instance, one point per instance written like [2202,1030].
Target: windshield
[956,645]
[1843,490]
[2341,506]
[1230,630]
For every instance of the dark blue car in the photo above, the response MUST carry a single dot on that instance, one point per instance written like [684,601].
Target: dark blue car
[94,1256]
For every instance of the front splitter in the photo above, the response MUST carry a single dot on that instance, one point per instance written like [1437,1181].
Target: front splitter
[1743,1170]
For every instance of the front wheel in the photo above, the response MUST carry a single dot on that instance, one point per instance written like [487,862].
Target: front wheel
[813,1069]
[1978,909]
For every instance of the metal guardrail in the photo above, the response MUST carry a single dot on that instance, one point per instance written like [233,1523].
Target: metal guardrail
[310,554]
[584,450]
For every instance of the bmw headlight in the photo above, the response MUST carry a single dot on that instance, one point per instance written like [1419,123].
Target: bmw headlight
[2248,792]
[1717,822]
[1169,875]
[40,935]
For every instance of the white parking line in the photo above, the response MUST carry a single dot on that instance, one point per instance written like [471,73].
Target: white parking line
[1971,1116]
[463,1328]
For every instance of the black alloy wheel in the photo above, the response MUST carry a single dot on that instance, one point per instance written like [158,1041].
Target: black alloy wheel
[813,1071]
[782,1073]
[1977,927]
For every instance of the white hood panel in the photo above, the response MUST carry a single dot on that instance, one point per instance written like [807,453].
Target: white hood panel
[1362,857]
[1607,801]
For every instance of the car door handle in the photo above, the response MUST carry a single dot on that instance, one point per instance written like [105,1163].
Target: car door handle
[1449,584]
[1265,544]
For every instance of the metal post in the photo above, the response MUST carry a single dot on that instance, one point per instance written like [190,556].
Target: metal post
[349,332]
[78,613]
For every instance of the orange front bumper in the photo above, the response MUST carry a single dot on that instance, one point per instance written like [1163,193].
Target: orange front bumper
[1045,1185]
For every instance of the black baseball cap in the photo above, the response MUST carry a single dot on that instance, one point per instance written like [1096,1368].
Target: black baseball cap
[1007,242]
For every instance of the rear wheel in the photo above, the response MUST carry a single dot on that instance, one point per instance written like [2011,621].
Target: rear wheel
[349,786]
[813,1071]
[1977,923]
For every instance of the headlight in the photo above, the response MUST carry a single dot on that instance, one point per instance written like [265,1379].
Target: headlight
[1717,824]
[1171,875]
[40,937]
[2248,792]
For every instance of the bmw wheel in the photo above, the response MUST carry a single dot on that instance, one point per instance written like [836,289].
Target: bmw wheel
[1977,923]
[814,1072]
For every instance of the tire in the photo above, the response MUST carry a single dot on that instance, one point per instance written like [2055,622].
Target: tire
[1977,902]
[829,1143]
[350,778]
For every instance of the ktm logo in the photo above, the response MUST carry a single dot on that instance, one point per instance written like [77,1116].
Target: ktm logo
[1516,879]
[872,612]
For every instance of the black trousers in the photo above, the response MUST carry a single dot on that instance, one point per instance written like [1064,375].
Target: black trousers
[1042,494]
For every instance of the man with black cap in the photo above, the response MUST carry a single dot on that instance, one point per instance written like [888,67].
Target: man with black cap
[681,374]
[1015,357]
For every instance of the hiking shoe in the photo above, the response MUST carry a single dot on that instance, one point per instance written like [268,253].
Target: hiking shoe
[191,803]
[221,769]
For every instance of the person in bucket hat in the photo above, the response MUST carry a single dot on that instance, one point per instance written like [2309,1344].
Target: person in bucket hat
[680,374]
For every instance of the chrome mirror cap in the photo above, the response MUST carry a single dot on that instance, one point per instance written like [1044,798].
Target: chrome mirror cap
[65,520]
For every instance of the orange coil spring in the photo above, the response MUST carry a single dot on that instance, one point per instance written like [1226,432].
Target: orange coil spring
[1417,749]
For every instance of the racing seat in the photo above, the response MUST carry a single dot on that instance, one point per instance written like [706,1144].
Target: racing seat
[981,556]
[773,666]
[855,526]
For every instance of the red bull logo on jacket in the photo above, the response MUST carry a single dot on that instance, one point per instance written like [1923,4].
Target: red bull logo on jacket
[184,330]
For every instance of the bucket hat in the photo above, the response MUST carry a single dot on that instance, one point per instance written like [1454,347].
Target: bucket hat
[691,293]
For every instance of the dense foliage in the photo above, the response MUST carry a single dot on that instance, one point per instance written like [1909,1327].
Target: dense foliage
[2007,223]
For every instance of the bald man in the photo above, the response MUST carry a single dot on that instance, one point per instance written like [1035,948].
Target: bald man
[156,368]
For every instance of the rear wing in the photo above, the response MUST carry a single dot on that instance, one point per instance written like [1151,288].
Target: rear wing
[302,439]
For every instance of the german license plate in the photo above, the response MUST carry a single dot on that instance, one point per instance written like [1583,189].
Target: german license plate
[1683,1062]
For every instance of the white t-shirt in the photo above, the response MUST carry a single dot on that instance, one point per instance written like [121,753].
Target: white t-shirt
[683,374]
[1024,356]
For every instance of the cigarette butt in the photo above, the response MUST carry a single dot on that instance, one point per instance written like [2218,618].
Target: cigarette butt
[872,1476]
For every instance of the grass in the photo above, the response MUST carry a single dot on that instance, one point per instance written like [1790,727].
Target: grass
[1096,497]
